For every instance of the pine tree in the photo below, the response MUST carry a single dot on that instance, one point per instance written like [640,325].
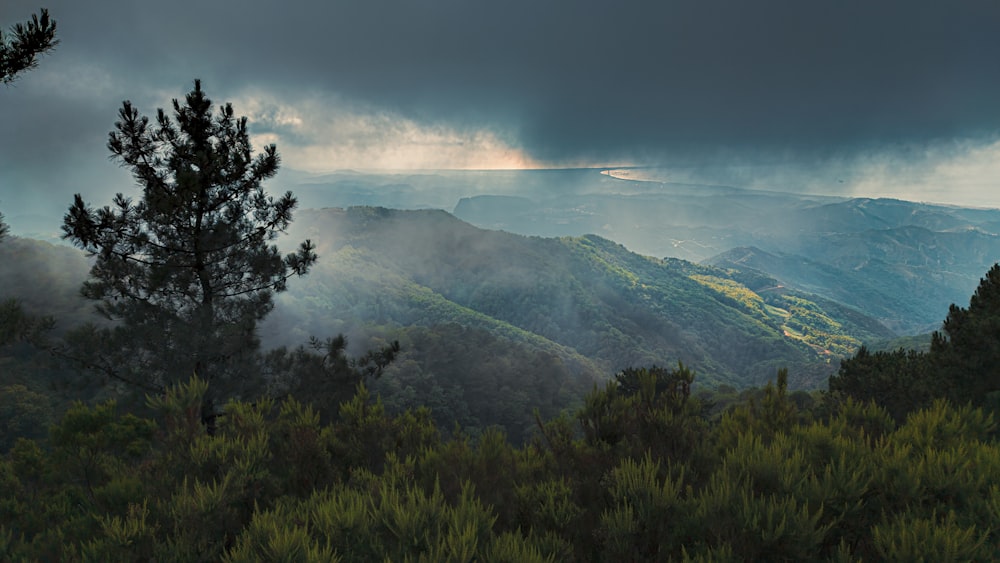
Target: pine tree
[967,351]
[188,269]
[963,364]
[20,53]
[29,40]
[900,381]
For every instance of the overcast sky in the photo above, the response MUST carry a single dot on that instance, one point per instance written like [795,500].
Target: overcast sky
[869,97]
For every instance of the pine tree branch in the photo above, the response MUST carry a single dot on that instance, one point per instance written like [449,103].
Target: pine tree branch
[30,41]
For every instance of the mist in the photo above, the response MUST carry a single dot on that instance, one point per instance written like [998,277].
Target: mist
[855,99]
[524,214]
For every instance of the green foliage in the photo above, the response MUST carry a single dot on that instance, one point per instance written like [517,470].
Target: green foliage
[303,449]
[590,303]
[380,517]
[934,539]
[649,406]
[23,414]
[967,354]
[803,317]
[323,374]
[123,538]
[772,414]
[270,537]
[944,426]
[639,474]
[189,268]
[865,421]
[758,526]
[16,325]
[27,41]
[961,365]
[645,521]
[367,434]
[735,291]
[900,381]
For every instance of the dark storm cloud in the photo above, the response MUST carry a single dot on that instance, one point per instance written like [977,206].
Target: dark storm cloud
[582,79]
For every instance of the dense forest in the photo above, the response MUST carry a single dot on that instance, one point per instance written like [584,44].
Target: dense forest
[165,430]
[640,472]
[897,461]
[480,314]
[899,261]
[570,296]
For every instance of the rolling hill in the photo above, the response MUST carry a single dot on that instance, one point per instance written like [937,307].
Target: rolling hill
[493,324]
[586,300]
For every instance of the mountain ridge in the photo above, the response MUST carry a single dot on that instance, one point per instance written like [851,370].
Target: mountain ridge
[588,293]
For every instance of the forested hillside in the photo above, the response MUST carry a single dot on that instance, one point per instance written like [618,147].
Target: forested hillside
[611,365]
[867,287]
[892,274]
[493,325]
[887,466]
[496,432]
[637,474]
[898,261]
[583,295]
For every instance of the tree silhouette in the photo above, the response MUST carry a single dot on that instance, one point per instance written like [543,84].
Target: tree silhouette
[967,350]
[189,268]
[962,365]
[27,42]
[20,53]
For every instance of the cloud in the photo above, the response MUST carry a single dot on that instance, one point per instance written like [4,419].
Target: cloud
[588,77]
[965,172]
[322,133]
[493,84]
[956,172]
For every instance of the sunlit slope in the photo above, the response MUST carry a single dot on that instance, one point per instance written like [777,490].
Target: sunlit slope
[902,276]
[468,301]
[585,299]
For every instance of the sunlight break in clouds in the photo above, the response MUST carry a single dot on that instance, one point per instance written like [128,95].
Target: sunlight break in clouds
[959,172]
[323,135]
[966,173]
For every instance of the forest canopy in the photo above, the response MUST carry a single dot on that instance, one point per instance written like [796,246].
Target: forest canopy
[189,268]
[639,473]
[24,44]
[222,451]
[643,470]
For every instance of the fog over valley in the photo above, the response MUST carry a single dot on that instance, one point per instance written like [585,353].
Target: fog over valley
[500,281]
[846,158]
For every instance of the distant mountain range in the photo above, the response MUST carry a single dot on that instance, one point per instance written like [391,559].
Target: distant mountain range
[735,283]
[901,262]
[494,325]
[587,301]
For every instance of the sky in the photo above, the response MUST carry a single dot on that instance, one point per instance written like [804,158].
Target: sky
[853,97]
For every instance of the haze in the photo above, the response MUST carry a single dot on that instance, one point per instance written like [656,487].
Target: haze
[849,98]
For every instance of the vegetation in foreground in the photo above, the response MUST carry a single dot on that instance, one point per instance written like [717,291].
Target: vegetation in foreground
[637,474]
[643,470]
